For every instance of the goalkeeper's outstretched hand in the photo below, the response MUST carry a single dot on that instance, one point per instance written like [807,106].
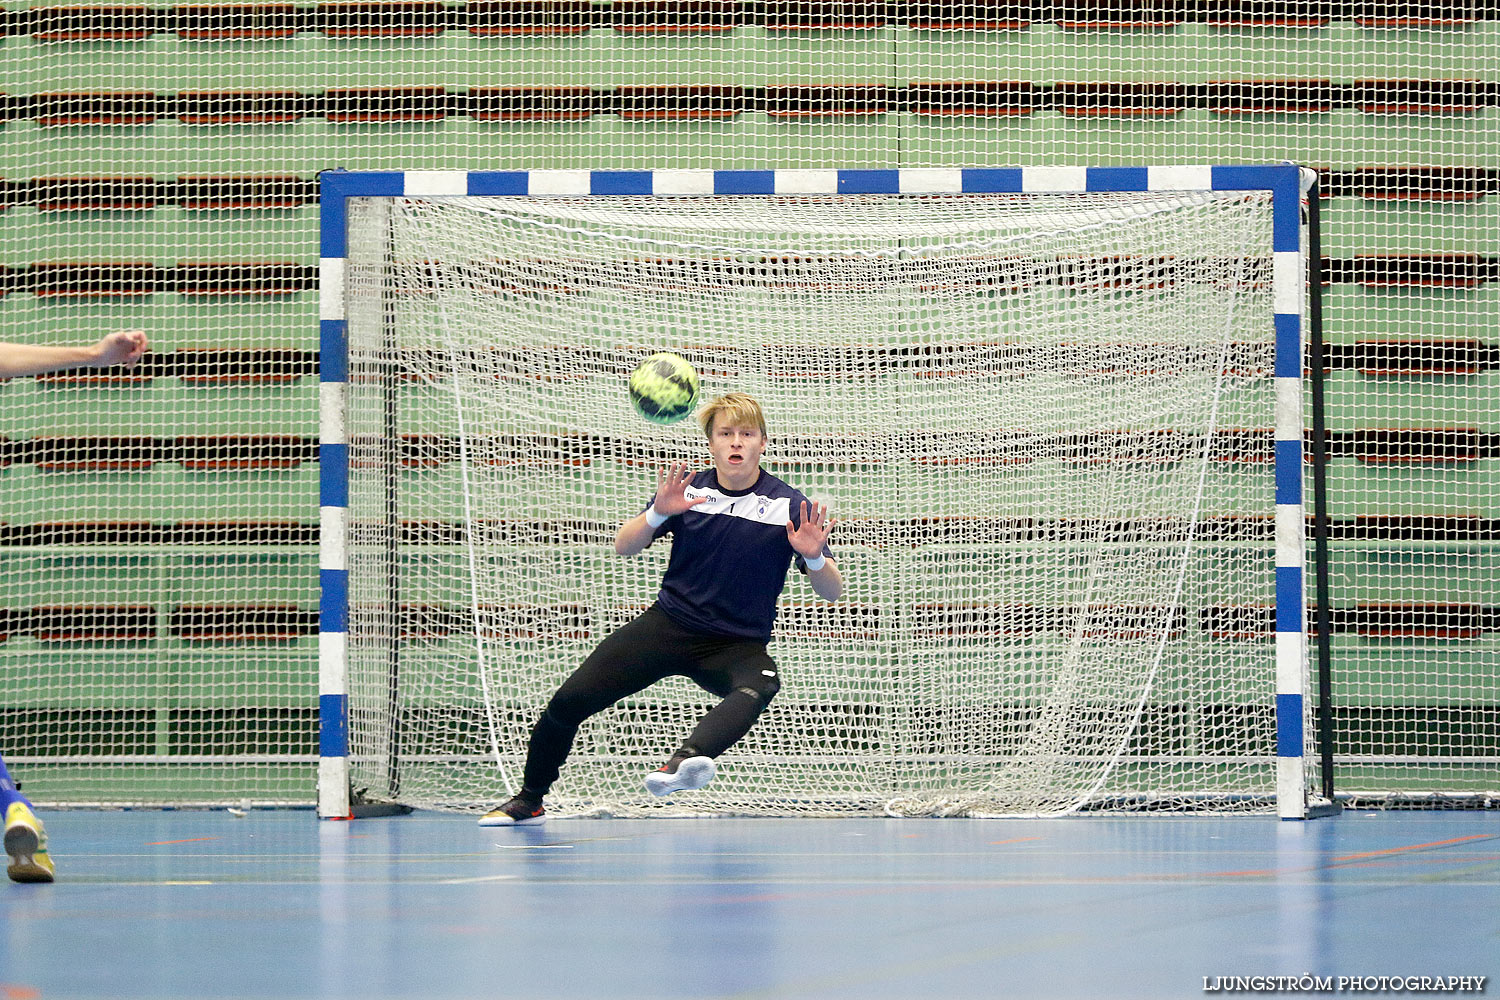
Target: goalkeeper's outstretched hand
[671,490]
[808,537]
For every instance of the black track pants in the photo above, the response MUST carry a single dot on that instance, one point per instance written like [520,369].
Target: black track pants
[638,655]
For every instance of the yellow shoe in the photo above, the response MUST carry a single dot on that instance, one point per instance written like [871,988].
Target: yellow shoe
[26,843]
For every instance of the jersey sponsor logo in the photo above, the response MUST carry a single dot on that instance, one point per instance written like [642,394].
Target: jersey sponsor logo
[751,507]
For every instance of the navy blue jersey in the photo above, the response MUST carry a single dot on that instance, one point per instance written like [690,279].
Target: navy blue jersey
[730,556]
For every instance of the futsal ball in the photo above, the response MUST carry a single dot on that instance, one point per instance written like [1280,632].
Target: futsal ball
[664,388]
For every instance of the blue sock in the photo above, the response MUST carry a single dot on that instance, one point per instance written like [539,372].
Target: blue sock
[8,792]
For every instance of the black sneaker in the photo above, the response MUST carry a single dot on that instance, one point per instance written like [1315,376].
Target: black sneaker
[680,773]
[516,812]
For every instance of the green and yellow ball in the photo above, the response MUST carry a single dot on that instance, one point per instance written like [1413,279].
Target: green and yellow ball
[664,388]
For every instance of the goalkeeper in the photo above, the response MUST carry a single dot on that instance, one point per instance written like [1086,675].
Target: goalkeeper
[735,530]
[25,838]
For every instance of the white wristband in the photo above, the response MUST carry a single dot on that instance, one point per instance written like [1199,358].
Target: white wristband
[653,518]
[815,564]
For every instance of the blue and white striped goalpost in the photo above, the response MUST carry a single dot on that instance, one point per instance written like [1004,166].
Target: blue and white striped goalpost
[1286,182]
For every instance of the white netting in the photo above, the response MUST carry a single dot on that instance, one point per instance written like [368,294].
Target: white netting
[159,169]
[1043,422]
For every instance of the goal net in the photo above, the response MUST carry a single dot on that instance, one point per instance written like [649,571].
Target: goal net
[1043,423]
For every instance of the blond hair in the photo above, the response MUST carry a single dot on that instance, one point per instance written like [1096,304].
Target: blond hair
[738,409]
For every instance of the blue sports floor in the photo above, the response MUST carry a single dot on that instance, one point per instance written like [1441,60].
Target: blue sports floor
[278,904]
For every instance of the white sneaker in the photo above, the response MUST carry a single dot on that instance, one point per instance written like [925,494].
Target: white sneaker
[680,773]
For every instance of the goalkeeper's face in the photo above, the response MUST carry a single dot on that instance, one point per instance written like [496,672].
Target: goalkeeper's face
[736,450]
